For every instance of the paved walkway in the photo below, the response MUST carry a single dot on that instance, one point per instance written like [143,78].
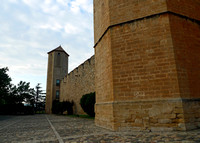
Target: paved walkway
[62,129]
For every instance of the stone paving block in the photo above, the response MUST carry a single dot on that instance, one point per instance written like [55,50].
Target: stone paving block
[36,129]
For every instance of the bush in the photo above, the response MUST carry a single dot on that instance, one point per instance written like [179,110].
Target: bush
[60,107]
[67,105]
[87,103]
[56,107]
[28,110]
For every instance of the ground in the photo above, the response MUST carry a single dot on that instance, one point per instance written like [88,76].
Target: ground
[62,129]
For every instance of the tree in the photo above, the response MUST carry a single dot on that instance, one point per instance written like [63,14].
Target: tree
[39,98]
[25,93]
[4,84]
[13,98]
[22,93]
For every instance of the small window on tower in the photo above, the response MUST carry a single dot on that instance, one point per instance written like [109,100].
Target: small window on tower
[57,94]
[57,82]
[58,60]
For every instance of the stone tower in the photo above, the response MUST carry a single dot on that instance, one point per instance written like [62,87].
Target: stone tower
[57,69]
[147,64]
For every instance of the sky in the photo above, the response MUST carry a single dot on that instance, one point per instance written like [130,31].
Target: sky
[31,28]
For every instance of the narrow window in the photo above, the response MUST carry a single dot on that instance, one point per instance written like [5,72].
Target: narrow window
[58,60]
[57,82]
[57,94]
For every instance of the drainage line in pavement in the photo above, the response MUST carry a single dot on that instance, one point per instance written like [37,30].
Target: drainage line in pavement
[54,130]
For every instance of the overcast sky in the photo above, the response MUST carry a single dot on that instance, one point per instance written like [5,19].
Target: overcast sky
[31,28]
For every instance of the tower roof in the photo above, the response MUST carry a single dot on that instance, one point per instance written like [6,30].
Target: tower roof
[58,49]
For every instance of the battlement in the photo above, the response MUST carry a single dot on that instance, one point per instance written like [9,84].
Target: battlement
[81,69]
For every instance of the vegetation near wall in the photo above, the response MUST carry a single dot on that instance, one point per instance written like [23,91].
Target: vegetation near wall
[60,107]
[87,103]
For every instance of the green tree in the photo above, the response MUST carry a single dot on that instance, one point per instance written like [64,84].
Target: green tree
[13,98]
[24,93]
[39,98]
[4,85]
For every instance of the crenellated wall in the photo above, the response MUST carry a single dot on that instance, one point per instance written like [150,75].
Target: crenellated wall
[78,82]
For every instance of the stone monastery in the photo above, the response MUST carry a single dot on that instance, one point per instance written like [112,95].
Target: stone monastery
[146,68]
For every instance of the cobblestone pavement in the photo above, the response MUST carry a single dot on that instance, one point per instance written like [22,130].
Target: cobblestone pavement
[62,129]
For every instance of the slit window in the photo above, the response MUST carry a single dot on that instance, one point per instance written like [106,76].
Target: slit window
[58,60]
[57,82]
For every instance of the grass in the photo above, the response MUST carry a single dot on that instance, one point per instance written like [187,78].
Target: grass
[40,112]
[81,116]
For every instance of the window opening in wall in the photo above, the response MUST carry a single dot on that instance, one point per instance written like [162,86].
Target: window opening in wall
[57,82]
[58,59]
[57,94]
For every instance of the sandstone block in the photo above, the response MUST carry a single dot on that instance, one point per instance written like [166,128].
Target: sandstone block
[161,129]
[164,121]
[181,126]
[154,112]
[138,121]
[146,106]
[180,115]
[154,120]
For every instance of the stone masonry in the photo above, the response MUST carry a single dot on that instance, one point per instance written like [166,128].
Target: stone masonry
[147,65]
[72,86]
[57,69]
[78,82]
[146,69]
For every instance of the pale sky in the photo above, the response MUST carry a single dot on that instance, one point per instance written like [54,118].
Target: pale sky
[31,28]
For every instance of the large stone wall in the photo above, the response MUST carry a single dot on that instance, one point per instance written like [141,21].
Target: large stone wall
[78,82]
[147,64]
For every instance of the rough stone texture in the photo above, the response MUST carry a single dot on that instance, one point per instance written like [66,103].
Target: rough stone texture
[78,82]
[164,115]
[57,69]
[147,64]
